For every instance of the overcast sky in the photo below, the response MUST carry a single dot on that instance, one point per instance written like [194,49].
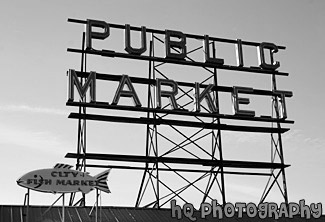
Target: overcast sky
[35,132]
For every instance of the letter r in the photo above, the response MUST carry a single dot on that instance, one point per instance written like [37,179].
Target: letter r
[170,94]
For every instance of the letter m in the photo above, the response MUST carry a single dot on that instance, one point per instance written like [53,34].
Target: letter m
[82,89]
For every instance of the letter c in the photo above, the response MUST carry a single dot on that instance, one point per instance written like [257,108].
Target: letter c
[273,49]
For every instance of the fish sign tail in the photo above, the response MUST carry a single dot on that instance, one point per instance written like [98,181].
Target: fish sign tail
[102,181]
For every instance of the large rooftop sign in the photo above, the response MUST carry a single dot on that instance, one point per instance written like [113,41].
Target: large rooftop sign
[176,50]
[186,89]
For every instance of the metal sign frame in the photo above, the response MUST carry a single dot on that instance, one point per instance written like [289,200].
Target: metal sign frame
[156,162]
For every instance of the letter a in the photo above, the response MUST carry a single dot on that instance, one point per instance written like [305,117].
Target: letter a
[131,93]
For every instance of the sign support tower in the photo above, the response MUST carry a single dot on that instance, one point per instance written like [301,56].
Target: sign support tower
[176,136]
[82,135]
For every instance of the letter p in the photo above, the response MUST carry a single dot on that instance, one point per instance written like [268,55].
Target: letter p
[205,209]
[90,34]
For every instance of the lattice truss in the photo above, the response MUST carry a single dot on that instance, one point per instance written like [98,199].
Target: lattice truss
[278,176]
[82,135]
[201,143]
[172,141]
[185,154]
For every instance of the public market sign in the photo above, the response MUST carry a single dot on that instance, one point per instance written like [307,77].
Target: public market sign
[62,179]
[175,48]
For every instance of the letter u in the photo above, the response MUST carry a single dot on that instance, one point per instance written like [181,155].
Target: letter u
[128,46]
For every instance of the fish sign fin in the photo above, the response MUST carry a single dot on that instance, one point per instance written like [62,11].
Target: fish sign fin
[102,181]
[85,190]
[63,166]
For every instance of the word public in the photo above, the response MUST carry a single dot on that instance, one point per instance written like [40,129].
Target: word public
[175,45]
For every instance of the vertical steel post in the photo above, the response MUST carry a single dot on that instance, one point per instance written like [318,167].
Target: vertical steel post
[96,205]
[84,64]
[148,136]
[155,148]
[26,203]
[63,209]
[219,142]
[276,106]
[81,146]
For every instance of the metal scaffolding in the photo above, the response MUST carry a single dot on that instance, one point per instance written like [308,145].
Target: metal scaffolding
[153,133]
[82,134]
[200,169]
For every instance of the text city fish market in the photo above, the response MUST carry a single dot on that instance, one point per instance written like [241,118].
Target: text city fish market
[58,179]
[63,182]
[199,95]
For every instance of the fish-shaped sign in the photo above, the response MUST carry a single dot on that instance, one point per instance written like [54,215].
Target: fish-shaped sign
[62,179]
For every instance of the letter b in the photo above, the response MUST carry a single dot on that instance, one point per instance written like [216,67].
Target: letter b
[181,45]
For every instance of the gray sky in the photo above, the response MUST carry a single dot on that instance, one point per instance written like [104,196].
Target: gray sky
[35,132]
